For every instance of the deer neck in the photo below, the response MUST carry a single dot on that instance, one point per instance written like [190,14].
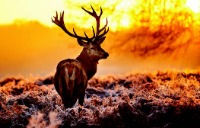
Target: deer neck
[89,65]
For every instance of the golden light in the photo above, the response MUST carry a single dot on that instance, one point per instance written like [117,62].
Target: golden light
[121,14]
[126,14]
[29,10]
[194,5]
[125,17]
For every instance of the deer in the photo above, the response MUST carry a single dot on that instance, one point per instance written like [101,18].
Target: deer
[72,75]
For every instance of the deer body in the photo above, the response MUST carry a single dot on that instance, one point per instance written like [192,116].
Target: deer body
[72,75]
[70,82]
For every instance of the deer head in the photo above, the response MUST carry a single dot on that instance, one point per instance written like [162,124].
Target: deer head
[92,45]
[71,76]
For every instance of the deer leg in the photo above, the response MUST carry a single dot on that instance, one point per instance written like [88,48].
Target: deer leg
[81,98]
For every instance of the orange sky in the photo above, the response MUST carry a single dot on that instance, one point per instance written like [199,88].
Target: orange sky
[31,44]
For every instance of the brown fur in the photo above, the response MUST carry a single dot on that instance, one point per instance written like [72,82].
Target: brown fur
[72,75]
[70,85]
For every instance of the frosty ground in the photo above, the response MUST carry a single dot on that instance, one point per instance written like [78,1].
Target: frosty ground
[150,100]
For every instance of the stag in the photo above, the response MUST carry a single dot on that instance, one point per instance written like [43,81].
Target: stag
[72,75]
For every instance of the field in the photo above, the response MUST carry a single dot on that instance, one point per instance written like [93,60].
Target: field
[155,42]
[161,99]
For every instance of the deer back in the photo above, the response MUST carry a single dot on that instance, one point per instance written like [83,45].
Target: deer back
[70,80]
[72,75]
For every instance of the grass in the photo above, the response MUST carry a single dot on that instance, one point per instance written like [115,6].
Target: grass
[163,99]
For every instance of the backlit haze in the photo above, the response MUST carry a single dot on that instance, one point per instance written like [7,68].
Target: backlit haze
[145,35]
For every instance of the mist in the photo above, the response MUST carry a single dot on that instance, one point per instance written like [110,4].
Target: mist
[31,48]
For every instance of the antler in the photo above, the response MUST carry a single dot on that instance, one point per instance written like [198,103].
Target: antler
[61,24]
[97,17]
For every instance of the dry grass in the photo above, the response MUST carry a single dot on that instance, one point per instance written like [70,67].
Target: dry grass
[164,99]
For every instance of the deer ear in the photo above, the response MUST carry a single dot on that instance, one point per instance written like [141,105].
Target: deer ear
[101,40]
[81,42]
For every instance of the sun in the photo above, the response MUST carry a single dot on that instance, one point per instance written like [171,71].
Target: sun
[194,5]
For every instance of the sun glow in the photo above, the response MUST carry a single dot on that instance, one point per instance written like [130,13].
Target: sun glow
[194,5]
[28,10]
[126,14]
[121,14]
[32,43]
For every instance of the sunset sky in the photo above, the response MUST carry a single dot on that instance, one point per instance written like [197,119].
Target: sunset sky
[32,45]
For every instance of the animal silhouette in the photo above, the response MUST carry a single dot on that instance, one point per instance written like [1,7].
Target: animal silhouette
[72,75]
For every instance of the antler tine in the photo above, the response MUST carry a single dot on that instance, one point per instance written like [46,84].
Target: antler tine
[97,17]
[74,32]
[62,17]
[104,32]
[101,12]
[104,26]
[93,31]
[60,22]
[85,35]
[94,14]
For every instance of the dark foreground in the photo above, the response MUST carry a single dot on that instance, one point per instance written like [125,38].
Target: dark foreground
[161,100]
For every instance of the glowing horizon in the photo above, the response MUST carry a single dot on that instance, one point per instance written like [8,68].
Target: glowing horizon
[31,43]
[120,14]
[14,11]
